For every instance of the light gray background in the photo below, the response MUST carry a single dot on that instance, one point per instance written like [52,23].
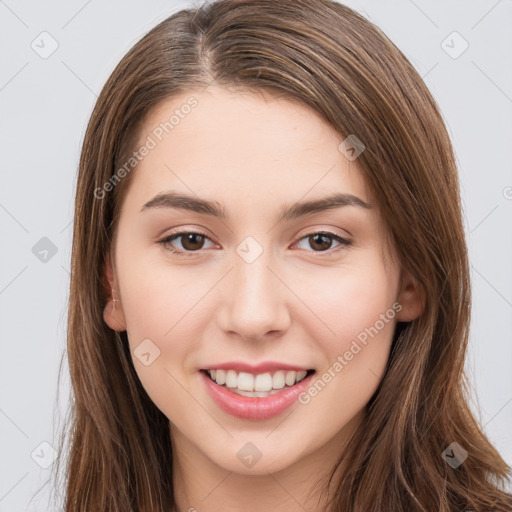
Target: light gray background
[45,105]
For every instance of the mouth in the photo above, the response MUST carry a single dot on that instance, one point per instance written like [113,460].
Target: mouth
[257,385]
[255,397]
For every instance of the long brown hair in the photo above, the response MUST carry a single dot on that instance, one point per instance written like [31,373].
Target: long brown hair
[328,57]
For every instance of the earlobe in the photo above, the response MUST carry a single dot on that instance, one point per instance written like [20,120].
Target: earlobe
[114,318]
[113,314]
[412,298]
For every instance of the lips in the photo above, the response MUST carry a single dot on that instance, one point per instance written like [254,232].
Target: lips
[259,405]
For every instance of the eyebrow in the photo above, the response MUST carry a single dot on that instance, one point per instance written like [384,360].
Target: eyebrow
[215,209]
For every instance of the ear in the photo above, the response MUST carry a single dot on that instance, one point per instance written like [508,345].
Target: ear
[412,297]
[113,313]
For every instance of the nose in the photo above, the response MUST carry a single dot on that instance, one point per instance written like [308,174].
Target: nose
[255,300]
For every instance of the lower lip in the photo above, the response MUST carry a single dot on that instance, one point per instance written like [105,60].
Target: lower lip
[255,408]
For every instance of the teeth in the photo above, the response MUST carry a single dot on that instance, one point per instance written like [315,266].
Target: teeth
[263,382]
[245,382]
[251,385]
[290,378]
[231,379]
[278,381]
[258,394]
[220,377]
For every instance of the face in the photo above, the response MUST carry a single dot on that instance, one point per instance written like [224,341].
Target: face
[253,295]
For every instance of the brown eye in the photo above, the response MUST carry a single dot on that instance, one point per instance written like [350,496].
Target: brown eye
[190,242]
[322,241]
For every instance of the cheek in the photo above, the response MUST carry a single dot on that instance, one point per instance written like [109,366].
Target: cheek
[358,309]
[162,321]
[156,297]
[170,307]
[348,304]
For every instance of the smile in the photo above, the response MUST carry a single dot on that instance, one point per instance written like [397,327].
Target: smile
[255,396]
[260,385]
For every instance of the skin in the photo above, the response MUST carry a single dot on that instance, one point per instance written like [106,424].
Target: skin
[297,302]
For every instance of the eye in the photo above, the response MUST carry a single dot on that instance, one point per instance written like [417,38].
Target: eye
[320,240]
[193,242]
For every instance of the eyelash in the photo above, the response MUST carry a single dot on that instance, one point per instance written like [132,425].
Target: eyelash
[167,240]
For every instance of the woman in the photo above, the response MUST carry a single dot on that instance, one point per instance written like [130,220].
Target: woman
[270,294]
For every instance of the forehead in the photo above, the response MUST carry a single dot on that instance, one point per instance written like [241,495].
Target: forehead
[229,143]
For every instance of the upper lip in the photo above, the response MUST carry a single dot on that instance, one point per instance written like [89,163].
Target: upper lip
[267,366]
